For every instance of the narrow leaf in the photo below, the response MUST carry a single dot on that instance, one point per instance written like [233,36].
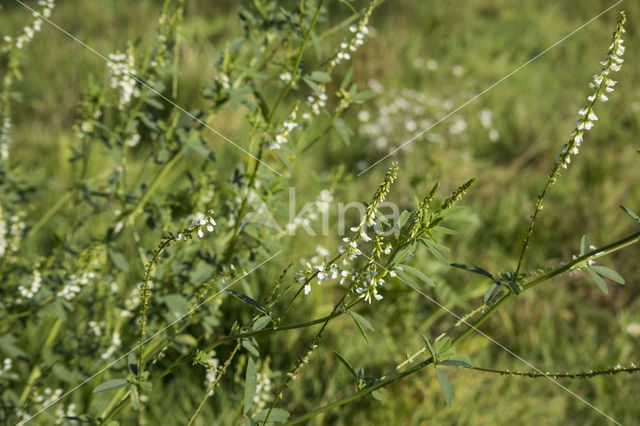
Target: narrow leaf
[111,385]
[631,213]
[261,323]
[278,415]
[320,76]
[584,245]
[491,293]
[599,281]
[474,269]
[134,397]
[249,301]
[445,386]
[361,323]
[402,219]
[608,273]
[457,361]
[346,364]
[250,347]
[430,348]
[429,245]
[376,395]
[418,274]
[250,385]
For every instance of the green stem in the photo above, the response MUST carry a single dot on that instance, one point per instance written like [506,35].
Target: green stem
[581,375]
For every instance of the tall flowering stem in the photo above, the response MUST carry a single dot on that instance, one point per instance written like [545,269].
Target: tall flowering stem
[352,252]
[602,84]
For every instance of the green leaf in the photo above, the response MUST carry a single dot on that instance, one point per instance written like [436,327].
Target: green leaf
[134,397]
[445,230]
[418,274]
[278,415]
[599,281]
[261,323]
[154,103]
[132,362]
[346,364]
[429,245]
[457,361]
[146,386]
[361,323]
[313,85]
[406,279]
[608,273]
[319,76]
[250,385]
[111,385]
[348,6]
[491,292]
[249,301]
[347,78]
[474,269]
[119,260]
[631,213]
[584,245]
[443,345]
[430,348]
[445,386]
[376,395]
[250,347]
[404,216]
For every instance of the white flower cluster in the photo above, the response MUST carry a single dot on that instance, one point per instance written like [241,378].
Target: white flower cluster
[212,372]
[71,289]
[122,77]
[11,230]
[7,364]
[316,102]
[348,46]
[115,344]
[96,327]
[310,213]
[48,397]
[263,391]
[200,223]
[223,80]
[32,289]
[63,414]
[486,119]
[409,111]
[36,25]
[603,84]
[5,138]
[284,131]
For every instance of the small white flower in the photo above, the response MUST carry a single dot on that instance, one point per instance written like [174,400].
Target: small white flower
[634,329]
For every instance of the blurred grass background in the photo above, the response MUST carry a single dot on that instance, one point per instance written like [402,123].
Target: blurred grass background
[567,324]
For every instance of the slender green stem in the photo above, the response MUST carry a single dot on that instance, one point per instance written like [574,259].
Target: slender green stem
[296,67]
[581,375]
[214,384]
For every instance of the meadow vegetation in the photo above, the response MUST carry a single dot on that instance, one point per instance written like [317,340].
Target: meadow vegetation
[197,219]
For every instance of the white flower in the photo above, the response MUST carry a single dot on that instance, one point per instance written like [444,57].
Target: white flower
[634,329]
